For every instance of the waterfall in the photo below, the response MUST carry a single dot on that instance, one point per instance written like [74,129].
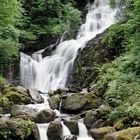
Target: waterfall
[51,72]
[66,132]
[83,133]
[43,131]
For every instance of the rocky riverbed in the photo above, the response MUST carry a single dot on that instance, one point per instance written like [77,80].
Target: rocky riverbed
[19,121]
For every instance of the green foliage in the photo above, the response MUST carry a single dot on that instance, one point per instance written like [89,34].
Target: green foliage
[10,12]
[48,19]
[119,81]
[5,134]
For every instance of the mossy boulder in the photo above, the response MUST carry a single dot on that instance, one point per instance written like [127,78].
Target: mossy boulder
[18,129]
[54,101]
[126,134]
[45,116]
[98,134]
[16,95]
[18,98]
[77,102]
[55,131]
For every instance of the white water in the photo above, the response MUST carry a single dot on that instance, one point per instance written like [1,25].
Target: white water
[66,131]
[43,131]
[83,133]
[51,73]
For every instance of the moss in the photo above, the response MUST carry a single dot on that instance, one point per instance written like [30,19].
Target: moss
[15,129]
[5,102]
[18,98]
[119,125]
[127,134]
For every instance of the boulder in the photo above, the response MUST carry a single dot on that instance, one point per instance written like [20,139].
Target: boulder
[98,117]
[22,111]
[126,134]
[77,102]
[90,118]
[54,101]
[36,96]
[98,134]
[45,116]
[73,126]
[18,98]
[55,131]
[18,129]
[18,89]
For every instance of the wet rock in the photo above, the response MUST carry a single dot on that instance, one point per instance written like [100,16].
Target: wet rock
[73,126]
[80,101]
[55,131]
[54,101]
[36,96]
[127,134]
[98,134]
[45,116]
[22,111]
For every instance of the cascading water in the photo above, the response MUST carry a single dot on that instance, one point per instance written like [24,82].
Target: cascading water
[83,133]
[43,131]
[51,72]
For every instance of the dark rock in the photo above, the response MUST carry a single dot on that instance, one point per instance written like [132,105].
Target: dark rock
[55,131]
[45,116]
[73,126]
[36,96]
